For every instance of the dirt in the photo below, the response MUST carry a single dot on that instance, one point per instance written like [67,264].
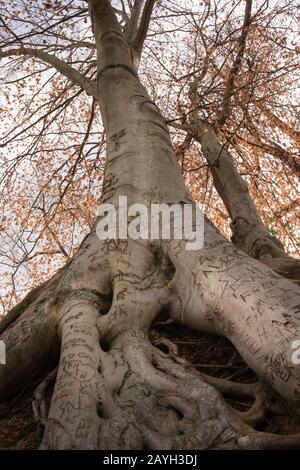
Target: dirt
[18,428]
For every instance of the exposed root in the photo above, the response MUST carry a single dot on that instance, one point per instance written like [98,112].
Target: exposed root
[287,267]
[229,388]
[110,409]
[266,401]
[39,403]
[243,300]
[164,343]
[168,321]
[31,345]
[116,390]
[257,413]
[265,441]
[186,412]
[73,421]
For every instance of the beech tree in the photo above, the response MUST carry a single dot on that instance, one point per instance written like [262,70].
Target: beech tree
[113,388]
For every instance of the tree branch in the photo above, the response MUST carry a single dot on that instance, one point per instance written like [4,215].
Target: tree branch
[143,27]
[229,89]
[131,27]
[249,231]
[60,65]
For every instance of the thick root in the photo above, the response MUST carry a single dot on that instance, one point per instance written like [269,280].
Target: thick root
[222,291]
[39,403]
[147,400]
[111,376]
[31,345]
[114,389]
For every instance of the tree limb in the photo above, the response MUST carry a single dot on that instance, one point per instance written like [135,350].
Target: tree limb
[131,26]
[249,231]
[229,88]
[143,27]
[65,69]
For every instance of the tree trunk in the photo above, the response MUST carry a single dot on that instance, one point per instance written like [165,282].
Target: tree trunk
[249,232]
[114,389]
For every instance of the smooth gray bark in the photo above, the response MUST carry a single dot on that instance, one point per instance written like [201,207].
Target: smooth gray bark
[249,232]
[114,389]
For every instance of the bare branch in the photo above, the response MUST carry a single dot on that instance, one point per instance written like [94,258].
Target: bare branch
[143,27]
[65,69]
[225,109]
[132,25]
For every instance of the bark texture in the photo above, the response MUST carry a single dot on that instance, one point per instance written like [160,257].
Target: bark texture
[114,389]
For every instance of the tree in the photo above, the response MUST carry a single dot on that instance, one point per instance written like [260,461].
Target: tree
[93,316]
